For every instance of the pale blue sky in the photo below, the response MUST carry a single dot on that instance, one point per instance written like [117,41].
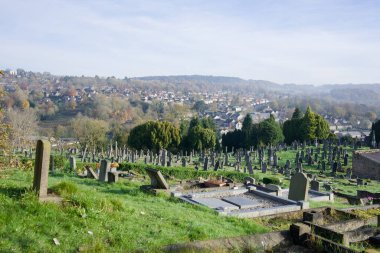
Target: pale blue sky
[311,41]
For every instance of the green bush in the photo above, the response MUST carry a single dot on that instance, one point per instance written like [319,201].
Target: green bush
[59,162]
[272,180]
[184,173]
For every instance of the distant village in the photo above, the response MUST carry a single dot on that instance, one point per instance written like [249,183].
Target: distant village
[227,114]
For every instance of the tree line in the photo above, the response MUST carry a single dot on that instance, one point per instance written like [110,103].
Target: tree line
[307,127]
[196,134]
[201,133]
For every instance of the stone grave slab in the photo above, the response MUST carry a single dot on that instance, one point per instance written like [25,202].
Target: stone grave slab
[91,173]
[156,179]
[216,203]
[241,202]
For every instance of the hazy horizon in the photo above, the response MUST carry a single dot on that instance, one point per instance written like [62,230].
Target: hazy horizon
[286,42]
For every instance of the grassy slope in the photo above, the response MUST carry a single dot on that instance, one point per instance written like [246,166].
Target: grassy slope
[120,216]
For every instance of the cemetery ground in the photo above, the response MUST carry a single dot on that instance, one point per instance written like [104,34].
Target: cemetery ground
[97,216]
[101,217]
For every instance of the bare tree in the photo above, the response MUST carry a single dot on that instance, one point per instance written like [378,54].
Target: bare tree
[23,126]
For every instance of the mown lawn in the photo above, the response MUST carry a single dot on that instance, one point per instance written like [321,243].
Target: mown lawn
[101,217]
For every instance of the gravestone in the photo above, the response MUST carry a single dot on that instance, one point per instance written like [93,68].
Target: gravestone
[52,164]
[249,180]
[41,168]
[299,168]
[205,163]
[113,177]
[157,181]
[334,167]
[264,167]
[299,186]
[90,172]
[345,161]
[163,158]
[287,165]
[327,187]
[348,173]
[315,185]
[216,165]
[249,167]
[73,164]
[104,169]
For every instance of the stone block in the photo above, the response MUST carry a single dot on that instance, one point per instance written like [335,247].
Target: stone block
[41,168]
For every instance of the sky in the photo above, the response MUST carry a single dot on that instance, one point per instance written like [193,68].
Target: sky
[284,41]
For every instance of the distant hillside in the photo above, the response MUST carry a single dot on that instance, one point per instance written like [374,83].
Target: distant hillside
[195,78]
[215,82]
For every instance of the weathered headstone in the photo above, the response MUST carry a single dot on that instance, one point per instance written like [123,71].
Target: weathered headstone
[315,185]
[249,167]
[205,163]
[157,181]
[90,172]
[299,186]
[52,164]
[73,164]
[104,169]
[345,161]
[41,168]
[113,177]
[264,167]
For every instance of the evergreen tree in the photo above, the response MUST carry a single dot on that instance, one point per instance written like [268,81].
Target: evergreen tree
[246,131]
[247,123]
[155,135]
[322,130]
[270,132]
[308,125]
[297,114]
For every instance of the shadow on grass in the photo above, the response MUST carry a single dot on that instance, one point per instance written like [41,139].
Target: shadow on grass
[13,192]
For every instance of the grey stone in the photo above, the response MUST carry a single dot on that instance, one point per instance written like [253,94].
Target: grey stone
[41,168]
[299,187]
[73,164]
[241,202]
[157,181]
[91,173]
[216,203]
[315,185]
[113,177]
[104,169]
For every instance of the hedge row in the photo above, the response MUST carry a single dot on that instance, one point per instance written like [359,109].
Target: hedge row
[185,172]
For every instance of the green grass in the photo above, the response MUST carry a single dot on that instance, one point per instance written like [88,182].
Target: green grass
[101,217]
[338,203]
